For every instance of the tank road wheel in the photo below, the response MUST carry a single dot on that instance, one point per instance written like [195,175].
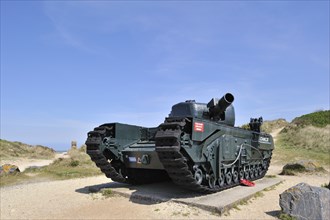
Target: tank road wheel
[246,174]
[251,173]
[228,178]
[241,174]
[235,176]
[259,171]
[256,173]
[221,180]
[198,176]
[212,181]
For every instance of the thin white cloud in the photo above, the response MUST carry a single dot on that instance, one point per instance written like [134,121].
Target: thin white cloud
[62,20]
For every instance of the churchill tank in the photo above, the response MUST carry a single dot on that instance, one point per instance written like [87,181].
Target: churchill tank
[197,147]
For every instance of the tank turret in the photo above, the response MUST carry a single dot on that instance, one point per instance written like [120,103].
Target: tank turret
[217,107]
[222,110]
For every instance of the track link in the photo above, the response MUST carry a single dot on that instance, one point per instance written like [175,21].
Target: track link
[168,148]
[93,143]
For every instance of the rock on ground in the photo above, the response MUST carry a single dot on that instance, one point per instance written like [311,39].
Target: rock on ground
[305,202]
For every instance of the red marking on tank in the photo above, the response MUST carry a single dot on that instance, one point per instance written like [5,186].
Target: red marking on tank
[199,127]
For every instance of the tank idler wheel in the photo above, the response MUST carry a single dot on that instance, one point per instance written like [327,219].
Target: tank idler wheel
[212,181]
[221,180]
[228,178]
[235,176]
[198,176]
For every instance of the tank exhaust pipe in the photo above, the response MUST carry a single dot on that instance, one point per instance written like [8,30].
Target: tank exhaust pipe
[218,107]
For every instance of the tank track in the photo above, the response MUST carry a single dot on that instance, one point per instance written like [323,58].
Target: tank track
[93,142]
[168,144]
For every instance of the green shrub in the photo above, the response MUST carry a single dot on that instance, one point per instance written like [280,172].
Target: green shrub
[300,167]
[317,119]
[74,163]
[284,216]
[292,169]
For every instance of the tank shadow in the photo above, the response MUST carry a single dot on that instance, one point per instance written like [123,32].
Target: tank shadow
[275,213]
[146,194]
[99,187]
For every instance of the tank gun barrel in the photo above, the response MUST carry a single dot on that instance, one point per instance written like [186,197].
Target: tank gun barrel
[217,107]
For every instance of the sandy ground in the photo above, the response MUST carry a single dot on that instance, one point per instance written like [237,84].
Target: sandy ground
[69,199]
[276,132]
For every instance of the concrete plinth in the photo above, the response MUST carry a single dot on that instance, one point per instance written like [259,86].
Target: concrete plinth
[167,191]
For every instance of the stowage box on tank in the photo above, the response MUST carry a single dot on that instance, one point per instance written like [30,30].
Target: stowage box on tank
[197,147]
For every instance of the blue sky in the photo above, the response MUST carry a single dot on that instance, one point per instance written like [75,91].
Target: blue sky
[69,66]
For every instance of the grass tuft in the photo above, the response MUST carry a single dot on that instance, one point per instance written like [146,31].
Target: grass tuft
[270,176]
[284,216]
[14,178]
[108,193]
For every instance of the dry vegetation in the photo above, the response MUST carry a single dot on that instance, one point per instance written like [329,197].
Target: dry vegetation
[77,165]
[269,126]
[309,138]
[17,149]
[306,137]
